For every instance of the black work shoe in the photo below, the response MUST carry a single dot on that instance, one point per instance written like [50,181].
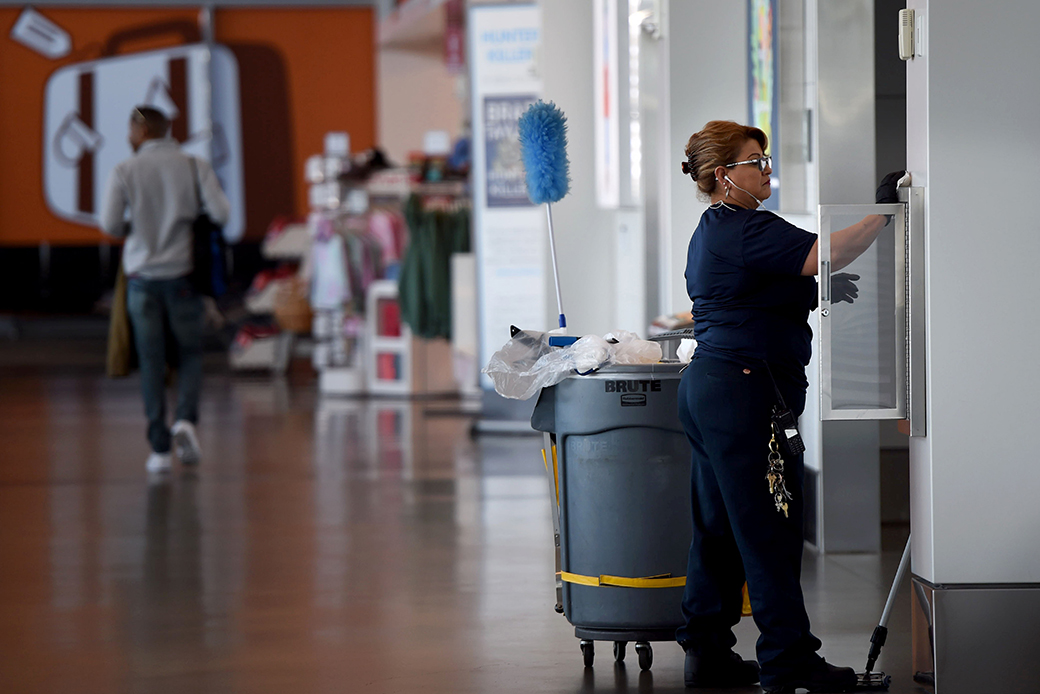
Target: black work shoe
[726,669]
[824,678]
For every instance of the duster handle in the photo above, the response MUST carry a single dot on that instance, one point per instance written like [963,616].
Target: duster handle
[556,271]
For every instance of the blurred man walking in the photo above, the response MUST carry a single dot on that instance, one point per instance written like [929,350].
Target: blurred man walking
[164,191]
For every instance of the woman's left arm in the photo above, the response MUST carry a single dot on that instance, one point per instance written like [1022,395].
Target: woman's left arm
[847,244]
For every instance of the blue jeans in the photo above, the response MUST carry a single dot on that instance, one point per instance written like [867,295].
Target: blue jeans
[167,314]
[738,534]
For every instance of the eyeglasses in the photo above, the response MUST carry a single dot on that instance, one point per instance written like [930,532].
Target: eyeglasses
[762,163]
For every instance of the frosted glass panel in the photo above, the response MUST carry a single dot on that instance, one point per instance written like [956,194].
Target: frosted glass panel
[863,333]
[863,318]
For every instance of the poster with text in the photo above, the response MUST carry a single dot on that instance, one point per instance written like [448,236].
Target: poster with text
[509,233]
[506,186]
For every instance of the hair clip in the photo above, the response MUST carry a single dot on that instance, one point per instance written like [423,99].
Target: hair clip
[686,167]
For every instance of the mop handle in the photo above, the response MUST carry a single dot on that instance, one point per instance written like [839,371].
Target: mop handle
[556,272]
[900,572]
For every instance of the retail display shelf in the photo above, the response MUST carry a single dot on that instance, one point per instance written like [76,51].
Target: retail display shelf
[291,243]
[447,188]
[341,380]
[270,352]
[391,183]
[390,343]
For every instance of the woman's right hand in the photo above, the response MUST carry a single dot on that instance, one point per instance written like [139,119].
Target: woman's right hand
[843,287]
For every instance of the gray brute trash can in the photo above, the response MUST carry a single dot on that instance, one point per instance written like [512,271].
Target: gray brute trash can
[623,517]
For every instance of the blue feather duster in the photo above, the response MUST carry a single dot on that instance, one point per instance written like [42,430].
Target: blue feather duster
[543,144]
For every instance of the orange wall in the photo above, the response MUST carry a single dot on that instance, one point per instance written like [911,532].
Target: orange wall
[326,61]
[329,55]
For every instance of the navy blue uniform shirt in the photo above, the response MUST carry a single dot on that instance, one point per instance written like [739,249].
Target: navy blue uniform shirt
[750,302]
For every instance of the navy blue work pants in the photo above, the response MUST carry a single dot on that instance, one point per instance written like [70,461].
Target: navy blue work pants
[738,534]
[158,307]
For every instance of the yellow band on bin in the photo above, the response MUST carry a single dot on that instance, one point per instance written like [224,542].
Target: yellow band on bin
[662,581]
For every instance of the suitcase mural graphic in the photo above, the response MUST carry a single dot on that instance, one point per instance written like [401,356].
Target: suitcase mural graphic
[87,109]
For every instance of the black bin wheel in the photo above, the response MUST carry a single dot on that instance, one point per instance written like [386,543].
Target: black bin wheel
[619,651]
[588,652]
[646,655]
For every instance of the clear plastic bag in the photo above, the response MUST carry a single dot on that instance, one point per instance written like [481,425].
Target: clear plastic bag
[512,367]
[526,363]
[632,350]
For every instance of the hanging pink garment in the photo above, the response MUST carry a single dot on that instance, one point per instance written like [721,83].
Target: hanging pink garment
[381,228]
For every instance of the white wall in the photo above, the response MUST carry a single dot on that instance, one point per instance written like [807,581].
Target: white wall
[415,93]
[972,105]
[848,457]
[585,234]
[702,89]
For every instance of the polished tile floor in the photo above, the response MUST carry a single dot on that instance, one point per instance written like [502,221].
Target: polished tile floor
[324,545]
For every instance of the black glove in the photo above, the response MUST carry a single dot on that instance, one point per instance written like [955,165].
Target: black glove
[886,190]
[843,287]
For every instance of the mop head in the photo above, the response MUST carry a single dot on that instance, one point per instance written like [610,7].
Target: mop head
[872,681]
[543,145]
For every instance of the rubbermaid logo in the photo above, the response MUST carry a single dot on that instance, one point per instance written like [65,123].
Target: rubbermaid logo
[633,400]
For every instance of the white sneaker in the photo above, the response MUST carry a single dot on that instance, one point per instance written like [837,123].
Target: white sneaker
[185,442]
[158,462]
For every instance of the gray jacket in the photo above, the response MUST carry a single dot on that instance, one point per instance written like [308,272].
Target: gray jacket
[157,185]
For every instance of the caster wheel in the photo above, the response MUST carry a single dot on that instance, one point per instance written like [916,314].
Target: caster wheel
[619,651]
[588,652]
[646,655]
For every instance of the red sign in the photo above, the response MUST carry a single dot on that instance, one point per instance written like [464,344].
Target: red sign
[455,35]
